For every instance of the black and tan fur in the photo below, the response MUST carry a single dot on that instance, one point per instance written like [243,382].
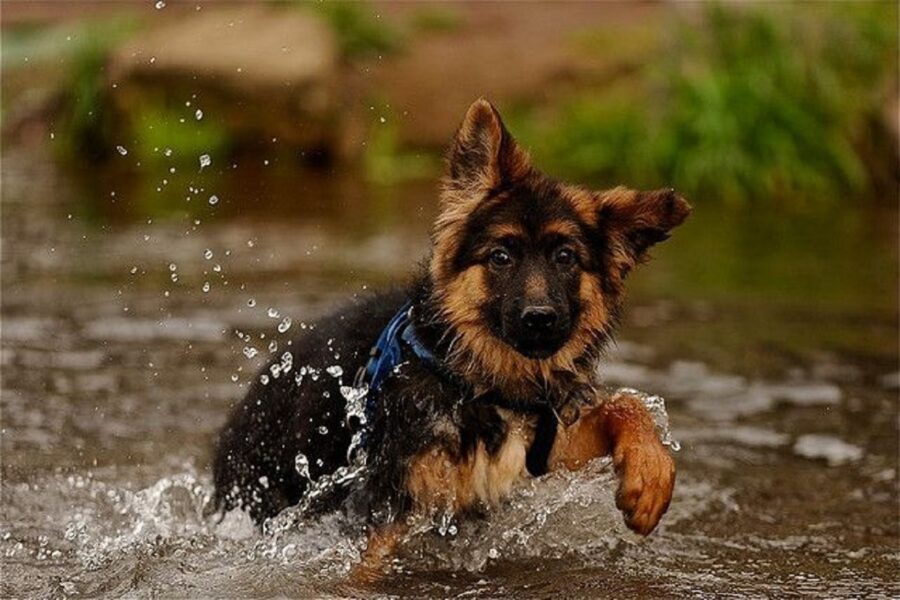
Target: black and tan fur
[521,293]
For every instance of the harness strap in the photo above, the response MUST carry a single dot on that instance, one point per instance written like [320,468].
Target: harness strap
[385,356]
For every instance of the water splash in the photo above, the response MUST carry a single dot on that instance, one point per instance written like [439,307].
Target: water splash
[301,465]
[117,521]
[563,515]
[657,407]
[355,403]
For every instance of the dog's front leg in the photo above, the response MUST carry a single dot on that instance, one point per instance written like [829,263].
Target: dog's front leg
[623,427]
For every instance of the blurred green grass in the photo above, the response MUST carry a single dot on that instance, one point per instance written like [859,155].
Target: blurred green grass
[784,103]
[359,29]
[359,32]
[754,102]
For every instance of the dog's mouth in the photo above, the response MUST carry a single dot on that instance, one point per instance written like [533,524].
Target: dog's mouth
[537,347]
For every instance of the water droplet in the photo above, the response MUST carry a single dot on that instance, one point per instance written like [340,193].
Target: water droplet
[122,150]
[234,377]
[273,346]
[217,268]
[264,379]
[284,325]
[205,161]
[205,287]
[335,371]
[173,267]
[160,4]
[289,551]
[251,302]
[213,200]
[208,254]
[198,114]
[273,313]
[133,270]
[250,351]
[167,152]
[323,430]
[301,465]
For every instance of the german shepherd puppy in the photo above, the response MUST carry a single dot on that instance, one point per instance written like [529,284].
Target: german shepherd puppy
[498,381]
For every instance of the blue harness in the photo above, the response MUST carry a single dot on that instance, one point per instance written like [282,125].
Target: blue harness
[386,355]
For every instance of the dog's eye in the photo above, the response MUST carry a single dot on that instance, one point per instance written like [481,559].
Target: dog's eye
[565,256]
[499,257]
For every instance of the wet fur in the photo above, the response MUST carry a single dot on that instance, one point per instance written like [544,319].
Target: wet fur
[457,437]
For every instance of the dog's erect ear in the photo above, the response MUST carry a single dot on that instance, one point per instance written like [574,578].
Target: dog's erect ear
[637,220]
[482,158]
[484,155]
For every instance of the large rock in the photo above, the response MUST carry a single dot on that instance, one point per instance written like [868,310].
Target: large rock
[261,72]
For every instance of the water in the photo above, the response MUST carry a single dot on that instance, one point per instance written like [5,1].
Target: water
[773,338]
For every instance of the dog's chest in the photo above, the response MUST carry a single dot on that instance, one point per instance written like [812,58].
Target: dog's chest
[481,476]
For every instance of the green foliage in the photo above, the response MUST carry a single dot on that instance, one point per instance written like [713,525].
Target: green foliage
[84,123]
[157,128]
[437,19]
[758,102]
[386,162]
[360,31]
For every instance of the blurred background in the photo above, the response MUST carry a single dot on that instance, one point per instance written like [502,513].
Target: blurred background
[186,183]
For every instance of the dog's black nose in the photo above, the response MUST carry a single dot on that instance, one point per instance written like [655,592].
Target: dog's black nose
[539,318]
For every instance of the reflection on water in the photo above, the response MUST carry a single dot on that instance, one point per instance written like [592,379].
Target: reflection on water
[127,312]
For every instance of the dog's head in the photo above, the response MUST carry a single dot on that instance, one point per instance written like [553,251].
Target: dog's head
[529,272]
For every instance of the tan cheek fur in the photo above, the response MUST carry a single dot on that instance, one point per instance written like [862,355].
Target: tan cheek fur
[437,480]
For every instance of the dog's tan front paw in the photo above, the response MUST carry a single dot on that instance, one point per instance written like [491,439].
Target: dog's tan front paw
[646,480]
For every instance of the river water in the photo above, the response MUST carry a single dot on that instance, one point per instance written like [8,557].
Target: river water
[771,334]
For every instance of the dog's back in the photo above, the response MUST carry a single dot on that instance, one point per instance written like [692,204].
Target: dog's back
[298,410]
